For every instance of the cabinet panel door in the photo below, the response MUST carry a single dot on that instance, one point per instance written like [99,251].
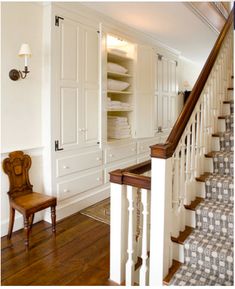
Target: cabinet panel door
[145,92]
[165,75]
[69,50]
[68,116]
[165,111]
[91,85]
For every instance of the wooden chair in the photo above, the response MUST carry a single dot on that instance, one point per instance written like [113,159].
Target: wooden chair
[21,196]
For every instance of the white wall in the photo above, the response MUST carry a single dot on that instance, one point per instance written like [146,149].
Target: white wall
[21,115]
[188,71]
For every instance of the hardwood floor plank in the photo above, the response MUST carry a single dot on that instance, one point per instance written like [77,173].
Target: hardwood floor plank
[77,250]
[67,232]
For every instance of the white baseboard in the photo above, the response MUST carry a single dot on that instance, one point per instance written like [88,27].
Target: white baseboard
[19,223]
[65,209]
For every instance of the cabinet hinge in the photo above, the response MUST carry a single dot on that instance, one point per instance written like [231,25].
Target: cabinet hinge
[98,31]
[176,62]
[57,20]
[159,56]
[57,148]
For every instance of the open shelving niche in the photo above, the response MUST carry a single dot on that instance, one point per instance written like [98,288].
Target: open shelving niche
[124,58]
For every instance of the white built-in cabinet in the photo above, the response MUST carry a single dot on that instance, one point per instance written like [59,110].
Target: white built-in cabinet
[80,156]
[166,92]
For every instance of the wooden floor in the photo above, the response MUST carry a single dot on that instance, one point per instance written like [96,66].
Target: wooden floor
[78,255]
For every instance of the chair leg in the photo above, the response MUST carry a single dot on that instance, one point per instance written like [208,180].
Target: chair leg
[11,222]
[53,218]
[26,229]
[31,221]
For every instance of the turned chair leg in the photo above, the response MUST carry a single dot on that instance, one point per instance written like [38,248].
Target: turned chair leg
[31,221]
[26,229]
[11,222]
[53,218]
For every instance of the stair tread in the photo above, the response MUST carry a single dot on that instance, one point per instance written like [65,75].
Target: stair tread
[230,88]
[194,204]
[173,269]
[203,177]
[192,275]
[213,205]
[228,101]
[215,153]
[183,235]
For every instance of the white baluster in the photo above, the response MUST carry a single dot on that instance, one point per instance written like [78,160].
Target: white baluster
[130,265]
[193,160]
[188,171]
[175,197]
[144,270]
[182,185]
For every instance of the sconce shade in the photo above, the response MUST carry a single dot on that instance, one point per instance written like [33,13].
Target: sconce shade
[25,50]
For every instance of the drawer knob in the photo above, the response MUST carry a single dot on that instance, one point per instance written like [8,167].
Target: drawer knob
[65,167]
[98,179]
[110,155]
[66,190]
[98,158]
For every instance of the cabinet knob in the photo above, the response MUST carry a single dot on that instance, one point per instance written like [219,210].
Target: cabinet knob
[98,179]
[66,190]
[65,167]
[110,155]
[80,129]
[98,158]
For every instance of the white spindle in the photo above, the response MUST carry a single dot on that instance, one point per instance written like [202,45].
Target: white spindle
[175,197]
[182,185]
[144,270]
[130,265]
[188,171]
[192,187]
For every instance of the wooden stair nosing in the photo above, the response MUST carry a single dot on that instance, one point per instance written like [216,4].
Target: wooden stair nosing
[215,135]
[209,155]
[182,236]
[194,204]
[173,269]
[230,88]
[227,101]
[222,116]
[203,177]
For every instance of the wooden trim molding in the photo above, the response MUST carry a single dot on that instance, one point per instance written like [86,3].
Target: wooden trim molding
[167,149]
[131,176]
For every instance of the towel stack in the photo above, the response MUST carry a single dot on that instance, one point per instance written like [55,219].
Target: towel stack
[118,127]
[117,104]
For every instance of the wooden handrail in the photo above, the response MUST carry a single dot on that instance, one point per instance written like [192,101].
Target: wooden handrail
[131,176]
[166,150]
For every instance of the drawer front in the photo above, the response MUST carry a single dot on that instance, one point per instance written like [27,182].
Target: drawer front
[144,146]
[119,165]
[118,153]
[79,184]
[78,163]
[143,158]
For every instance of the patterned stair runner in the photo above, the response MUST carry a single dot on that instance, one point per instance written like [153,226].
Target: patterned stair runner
[208,251]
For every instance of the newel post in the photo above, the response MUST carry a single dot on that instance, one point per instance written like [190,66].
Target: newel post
[118,229]
[161,212]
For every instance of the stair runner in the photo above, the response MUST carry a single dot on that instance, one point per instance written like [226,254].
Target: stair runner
[208,251]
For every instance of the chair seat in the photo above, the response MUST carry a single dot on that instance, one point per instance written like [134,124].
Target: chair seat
[32,202]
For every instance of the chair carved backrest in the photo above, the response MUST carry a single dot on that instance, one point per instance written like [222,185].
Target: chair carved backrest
[17,166]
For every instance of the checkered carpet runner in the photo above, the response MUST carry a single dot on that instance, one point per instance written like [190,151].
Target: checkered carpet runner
[208,251]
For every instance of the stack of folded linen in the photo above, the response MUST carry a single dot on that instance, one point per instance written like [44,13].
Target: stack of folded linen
[118,127]
[117,104]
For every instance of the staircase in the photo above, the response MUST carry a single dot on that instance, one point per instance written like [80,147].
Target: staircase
[208,250]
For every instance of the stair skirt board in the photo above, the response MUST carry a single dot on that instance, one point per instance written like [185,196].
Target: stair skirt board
[207,253]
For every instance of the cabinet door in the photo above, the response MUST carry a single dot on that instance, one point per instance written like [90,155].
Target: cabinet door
[77,85]
[144,92]
[68,118]
[91,85]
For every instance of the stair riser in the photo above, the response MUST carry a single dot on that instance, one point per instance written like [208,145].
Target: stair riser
[226,109]
[190,218]
[178,252]
[200,189]
[208,165]
[230,94]
[221,125]
[216,145]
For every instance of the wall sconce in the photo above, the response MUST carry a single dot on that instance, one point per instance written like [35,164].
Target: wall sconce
[25,52]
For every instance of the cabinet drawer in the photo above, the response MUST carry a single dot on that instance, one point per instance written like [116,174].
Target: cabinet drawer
[79,184]
[118,153]
[144,146]
[78,163]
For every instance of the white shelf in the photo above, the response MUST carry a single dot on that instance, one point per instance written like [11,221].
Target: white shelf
[116,57]
[119,109]
[119,92]
[110,73]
